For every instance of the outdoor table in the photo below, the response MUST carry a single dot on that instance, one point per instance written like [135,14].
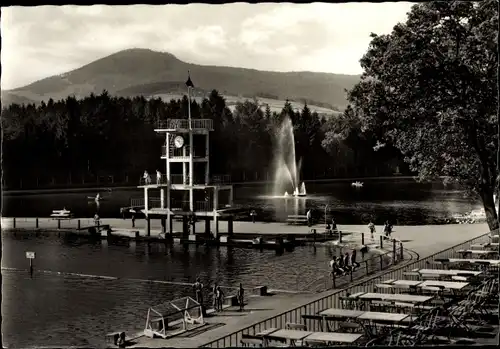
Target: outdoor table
[381,318]
[289,335]
[333,337]
[341,313]
[480,252]
[267,331]
[338,314]
[485,245]
[406,298]
[356,295]
[351,300]
[450,272]
[448,285]
[475,261]
[406,284]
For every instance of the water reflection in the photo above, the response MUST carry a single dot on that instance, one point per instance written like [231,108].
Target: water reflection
[401,201]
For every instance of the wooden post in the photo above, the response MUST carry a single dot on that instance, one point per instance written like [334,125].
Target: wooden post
[381,262]
[14,222]
[36,222]
[148,226]
[163,225]
[401,257]
[394,253]
[58,224]
[31,268]
[340,236]
[362,238]
[79,224]
[381,241]
[207,226]
[230,226]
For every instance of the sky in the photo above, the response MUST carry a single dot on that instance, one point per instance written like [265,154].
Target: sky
[43,41]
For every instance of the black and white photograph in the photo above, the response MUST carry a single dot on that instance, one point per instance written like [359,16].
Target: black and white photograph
[236,174]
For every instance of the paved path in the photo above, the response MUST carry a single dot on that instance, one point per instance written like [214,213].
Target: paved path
[424,239]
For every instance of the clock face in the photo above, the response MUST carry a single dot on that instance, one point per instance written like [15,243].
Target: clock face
[178,141]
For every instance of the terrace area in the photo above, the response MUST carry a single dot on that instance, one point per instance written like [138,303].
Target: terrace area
[447,298]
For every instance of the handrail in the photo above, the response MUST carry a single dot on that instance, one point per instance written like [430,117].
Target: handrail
[183,124]
[332,299]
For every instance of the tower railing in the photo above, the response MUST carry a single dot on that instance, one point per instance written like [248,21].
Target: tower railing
[221,179]
[174,152]
[176,124]
[154,180]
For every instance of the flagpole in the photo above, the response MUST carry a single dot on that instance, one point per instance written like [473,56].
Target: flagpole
[189,105]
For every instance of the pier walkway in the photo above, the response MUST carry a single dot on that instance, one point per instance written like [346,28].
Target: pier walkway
[425,239]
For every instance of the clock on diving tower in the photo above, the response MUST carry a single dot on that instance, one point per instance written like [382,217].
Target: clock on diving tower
[186,189]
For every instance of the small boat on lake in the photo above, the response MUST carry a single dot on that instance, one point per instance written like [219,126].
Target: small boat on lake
[357,184]
[64,213]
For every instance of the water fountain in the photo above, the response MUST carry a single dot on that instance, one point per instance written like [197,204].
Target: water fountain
[286,168]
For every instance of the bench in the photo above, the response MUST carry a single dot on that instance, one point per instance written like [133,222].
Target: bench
[295,326]
[261,290]
[411,273]
[312,317]
[383,286]
[348,326]
[231,300]
[113,337]
[251,341]
[296,219]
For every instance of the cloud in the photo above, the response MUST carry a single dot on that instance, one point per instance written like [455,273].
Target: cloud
[42,41]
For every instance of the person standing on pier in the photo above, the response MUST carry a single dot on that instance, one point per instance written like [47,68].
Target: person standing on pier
[241,297]
[334,226]
[158,177]
[253,214]
[354,263]
[215,300]
[309,218]
[220,298]
[147,178]
[96,220]
[198,291]
[371,226]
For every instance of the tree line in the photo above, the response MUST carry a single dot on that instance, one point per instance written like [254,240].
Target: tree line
[72,142]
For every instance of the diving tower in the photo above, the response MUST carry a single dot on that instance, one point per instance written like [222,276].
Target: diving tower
[186,189]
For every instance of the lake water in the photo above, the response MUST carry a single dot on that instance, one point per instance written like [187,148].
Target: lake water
[401,201]
[58,310]
[79,309]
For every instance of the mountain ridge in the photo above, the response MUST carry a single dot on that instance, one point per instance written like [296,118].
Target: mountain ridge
[131,72]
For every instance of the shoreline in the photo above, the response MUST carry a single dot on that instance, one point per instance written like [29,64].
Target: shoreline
[423,239]
[95,187]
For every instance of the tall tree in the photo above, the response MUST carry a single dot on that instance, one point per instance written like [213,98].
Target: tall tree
[430,89]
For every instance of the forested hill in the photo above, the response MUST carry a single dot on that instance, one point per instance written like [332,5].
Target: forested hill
[72,142]
[145,72]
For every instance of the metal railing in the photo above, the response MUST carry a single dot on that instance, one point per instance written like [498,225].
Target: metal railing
[154,180]
[153,202]
[198,206]
[221,179]
[333,300]
[175,124]
[179,179]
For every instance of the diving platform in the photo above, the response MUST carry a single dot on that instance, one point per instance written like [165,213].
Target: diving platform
[186,188]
